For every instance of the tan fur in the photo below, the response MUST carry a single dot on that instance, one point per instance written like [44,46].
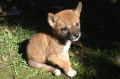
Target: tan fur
[43,47]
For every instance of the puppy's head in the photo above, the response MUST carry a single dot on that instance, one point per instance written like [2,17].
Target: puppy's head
[66,23]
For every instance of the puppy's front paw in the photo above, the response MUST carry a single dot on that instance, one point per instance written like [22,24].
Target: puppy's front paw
[71,73]
[57,72]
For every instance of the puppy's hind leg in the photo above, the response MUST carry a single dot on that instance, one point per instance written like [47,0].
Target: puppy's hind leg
[44,67]
[63,62]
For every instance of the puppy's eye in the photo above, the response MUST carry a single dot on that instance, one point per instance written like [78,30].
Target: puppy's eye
[77,24]
[64,30]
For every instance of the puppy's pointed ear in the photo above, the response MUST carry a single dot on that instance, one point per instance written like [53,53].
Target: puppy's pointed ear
[78,9]
[52,18]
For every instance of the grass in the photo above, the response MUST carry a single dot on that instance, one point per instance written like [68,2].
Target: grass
[89,63]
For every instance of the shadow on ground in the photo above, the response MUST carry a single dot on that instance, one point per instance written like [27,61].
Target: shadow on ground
[100,64]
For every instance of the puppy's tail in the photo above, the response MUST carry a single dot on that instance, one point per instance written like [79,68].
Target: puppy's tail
[44,67]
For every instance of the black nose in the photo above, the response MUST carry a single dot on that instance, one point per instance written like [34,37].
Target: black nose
[76,35]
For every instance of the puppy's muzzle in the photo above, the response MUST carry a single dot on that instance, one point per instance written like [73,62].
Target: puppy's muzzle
[74,36]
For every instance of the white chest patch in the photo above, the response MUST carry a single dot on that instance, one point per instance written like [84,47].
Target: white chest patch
[66,47]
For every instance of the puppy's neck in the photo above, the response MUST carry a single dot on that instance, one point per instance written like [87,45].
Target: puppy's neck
[58,39]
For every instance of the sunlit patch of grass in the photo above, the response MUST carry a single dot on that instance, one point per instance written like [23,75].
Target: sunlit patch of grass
[9,50]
